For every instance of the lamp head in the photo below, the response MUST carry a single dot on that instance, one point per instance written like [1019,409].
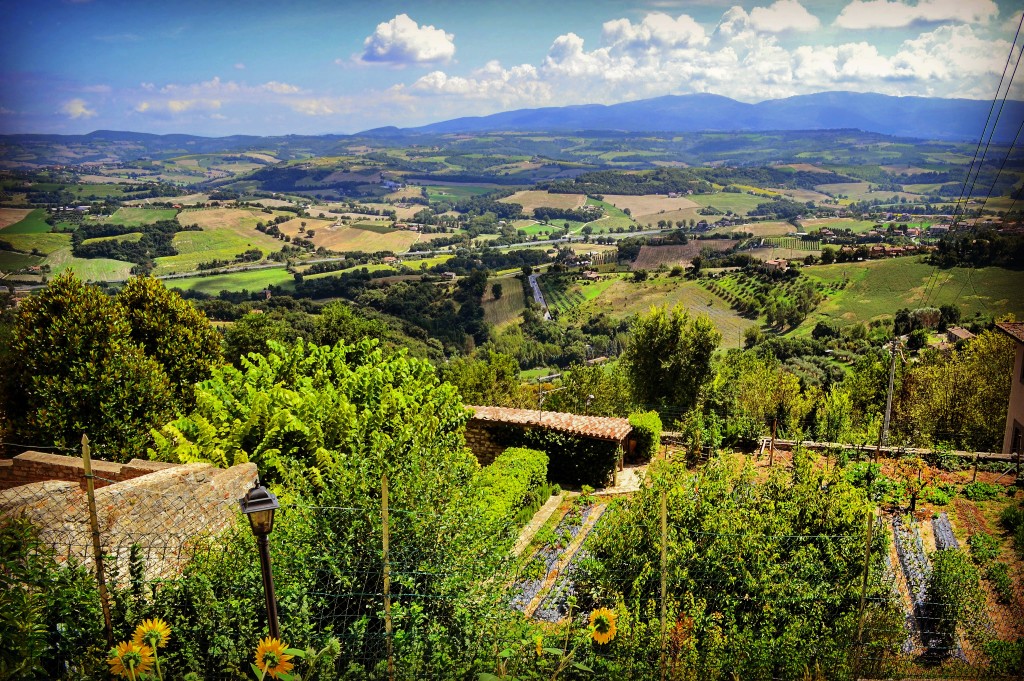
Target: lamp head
[259,505]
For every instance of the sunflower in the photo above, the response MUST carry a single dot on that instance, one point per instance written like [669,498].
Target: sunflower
[130,659]
[271,658]
[602,624]
[153,633]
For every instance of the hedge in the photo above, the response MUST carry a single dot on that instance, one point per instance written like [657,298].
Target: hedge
[647,430]
[508,484]
[575,460]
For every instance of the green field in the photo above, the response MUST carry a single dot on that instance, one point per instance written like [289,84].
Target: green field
[43,243]
[509,307]
[133,237]
[136,217]
[452,193]
[725,201]
[621,298]
[196,247]
[876,289]
[33,223]
[12,262]
[250,280]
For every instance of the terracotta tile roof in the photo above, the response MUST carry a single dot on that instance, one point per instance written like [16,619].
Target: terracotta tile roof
[600,427]
[1014,329]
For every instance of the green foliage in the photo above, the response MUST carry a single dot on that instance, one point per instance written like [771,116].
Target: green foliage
[507,485]
[982,491]
[998,573]
[647,430]
[74,368]
[574,460]
[835,415]
[592,389]
[1012,518]
[744,565]
[984,547]
[939,495]
[1005,657]
[50,622]
[668,359]
[954,592]
[173,332]
[490,380]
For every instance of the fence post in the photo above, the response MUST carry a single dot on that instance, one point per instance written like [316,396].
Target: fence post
[386,536]
[664,576]
[864,584]
[94,525]
[974,478]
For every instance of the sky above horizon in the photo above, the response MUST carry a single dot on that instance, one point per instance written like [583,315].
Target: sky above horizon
[311,67]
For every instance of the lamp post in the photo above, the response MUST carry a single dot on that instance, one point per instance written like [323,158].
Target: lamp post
[259,505]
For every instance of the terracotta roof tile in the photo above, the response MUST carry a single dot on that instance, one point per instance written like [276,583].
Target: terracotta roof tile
[600,427]
[1013,329]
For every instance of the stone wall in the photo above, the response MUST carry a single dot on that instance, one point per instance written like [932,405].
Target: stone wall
[162,513]
[483,441]
[32,467]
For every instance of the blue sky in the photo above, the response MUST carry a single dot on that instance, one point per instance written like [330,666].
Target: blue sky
[222,67]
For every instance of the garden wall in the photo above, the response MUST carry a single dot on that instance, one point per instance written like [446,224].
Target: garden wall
[39,467]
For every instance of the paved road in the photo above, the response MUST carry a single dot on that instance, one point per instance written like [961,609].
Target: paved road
[538,297]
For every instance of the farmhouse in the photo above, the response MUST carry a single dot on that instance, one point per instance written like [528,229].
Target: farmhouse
[957,333]
[777,265]
[1014,433]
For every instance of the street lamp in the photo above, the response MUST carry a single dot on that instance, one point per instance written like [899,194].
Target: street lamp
[259,505]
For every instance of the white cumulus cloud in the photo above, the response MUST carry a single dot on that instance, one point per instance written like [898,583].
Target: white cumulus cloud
[866,14]
[783,15]
[401,41]
[77,108]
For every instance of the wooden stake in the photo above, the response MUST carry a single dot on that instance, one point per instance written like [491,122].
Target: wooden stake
[386,537]
[97,551]
[664,576]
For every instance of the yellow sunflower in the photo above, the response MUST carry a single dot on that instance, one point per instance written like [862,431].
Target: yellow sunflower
[153,633]
[602,624]
[130,659]
[271,658]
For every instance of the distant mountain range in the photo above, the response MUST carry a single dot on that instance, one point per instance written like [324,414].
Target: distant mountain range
[919,117]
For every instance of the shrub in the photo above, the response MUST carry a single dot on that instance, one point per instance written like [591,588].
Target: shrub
[998,574]
[510,483]
[954,589]
[984,547]
[982,491]
[939,495]
[1005,657]
[647,429]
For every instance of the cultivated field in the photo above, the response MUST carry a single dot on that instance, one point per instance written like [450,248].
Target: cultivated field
[369,238]
[11,216]
[858,191]
[877,288]
[651,257]
[758,229]
[507,309]
[856,226]
[650,205]
[226,232]
[803,195]
[806,167]
[31,222]
[250,280]
[737,203]
[133,237]
[135,217]
[623,298]
[532,199]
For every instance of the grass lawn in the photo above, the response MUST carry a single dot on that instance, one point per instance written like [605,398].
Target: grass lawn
[250,280]
[877,288]
[136,217]
[33,223]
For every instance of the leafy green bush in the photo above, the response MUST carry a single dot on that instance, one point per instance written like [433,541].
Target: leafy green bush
[510,483]
[954,591]
[940,494]
[999,574]
[983,491]
[647,430]
[1005,657]
[50,621]
[984,547]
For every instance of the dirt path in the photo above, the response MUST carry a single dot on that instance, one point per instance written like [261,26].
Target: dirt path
[537,521]
[564,559]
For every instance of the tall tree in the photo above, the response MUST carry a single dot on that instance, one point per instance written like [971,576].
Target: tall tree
[668,359]
[78,370]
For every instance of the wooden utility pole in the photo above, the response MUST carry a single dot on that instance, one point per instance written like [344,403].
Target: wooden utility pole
[884,441]
[664,576]
[97,551]
[386,540]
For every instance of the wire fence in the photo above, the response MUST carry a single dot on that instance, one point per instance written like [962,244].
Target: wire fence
[394,594]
